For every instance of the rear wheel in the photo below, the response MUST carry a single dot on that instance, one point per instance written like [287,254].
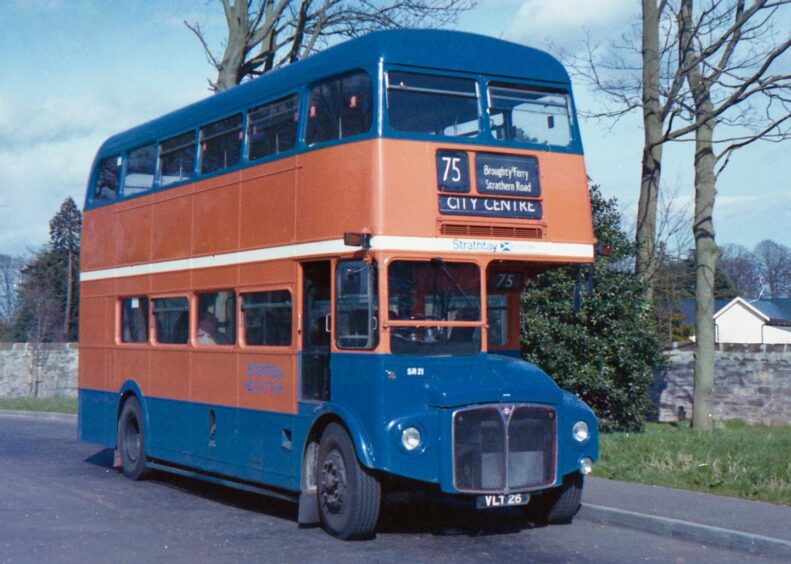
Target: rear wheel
[349,495]
[558,505]
[131,442]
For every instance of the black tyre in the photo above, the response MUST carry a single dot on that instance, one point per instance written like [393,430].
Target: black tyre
[349,495]
[131,442]
[558,505]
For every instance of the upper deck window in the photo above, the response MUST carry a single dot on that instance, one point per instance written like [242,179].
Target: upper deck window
[339,108]
[177,158]
[107,180]
[432,105]
[221,144]
[272,128]
[531,116]
[140,167]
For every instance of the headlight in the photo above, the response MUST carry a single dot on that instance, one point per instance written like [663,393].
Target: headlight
[586,466]
[580,431]
[410,438]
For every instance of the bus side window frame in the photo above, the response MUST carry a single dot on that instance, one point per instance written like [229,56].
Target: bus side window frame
[299,95]
[233,325]
[200,141]
[339,137]
[146,319]
[92,196]
[155,337]
[154,175]
[193,172]
[372,305]
[242,318]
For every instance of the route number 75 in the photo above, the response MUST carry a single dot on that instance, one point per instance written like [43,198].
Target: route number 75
[451,168]
[453,171]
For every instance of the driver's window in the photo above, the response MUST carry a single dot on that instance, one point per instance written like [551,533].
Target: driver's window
[356,305]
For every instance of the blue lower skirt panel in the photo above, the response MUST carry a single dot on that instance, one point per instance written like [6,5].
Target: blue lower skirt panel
[249,445]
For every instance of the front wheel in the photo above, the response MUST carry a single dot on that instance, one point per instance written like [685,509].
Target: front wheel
[557,505]
[131,442]
[349,495]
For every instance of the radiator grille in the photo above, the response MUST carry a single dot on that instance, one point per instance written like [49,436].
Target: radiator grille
[459,230]
[503,448]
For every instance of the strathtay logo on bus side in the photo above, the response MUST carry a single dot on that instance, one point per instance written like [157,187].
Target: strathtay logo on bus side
[477,245]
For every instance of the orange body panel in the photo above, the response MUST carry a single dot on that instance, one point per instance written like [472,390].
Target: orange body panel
[380,186]
[267,207]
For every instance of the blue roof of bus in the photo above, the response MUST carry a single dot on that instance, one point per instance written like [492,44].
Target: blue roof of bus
[430,49]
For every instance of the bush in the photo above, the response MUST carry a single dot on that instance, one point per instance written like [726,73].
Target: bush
[604,351]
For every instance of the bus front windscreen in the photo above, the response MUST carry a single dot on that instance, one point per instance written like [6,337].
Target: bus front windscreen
[528,115]
[432,104]
[426,291]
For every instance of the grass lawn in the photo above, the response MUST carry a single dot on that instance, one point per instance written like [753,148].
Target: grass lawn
[59,405]
[734,460]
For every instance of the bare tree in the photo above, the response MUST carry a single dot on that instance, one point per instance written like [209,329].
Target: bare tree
[726,56]
[703,71]
[266,34]
[774,263]
[740,267]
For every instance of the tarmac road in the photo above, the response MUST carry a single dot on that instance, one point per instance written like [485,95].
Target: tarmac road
[61,502]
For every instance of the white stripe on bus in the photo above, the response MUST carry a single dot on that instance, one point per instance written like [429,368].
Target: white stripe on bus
[515,249]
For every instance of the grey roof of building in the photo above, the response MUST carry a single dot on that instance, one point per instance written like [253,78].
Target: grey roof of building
[778,310]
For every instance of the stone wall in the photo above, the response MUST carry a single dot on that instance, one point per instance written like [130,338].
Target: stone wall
[752,383]
[47,371]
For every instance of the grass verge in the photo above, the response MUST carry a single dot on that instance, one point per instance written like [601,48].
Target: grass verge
[735,459]
[56,405]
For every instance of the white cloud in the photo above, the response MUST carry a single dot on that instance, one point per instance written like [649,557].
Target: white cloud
[46,151]
[566,23]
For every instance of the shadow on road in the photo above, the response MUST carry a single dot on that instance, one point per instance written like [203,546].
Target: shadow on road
[418,512]
[103,458]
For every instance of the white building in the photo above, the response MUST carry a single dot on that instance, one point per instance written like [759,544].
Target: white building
[757,322]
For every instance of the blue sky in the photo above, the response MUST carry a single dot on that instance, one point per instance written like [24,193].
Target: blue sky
[76,71]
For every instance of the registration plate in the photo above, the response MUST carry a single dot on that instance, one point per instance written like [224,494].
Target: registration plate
[501,500]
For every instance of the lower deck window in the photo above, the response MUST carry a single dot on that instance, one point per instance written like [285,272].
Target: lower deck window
[134,320]
[267,318]
[171,317]
[216,318]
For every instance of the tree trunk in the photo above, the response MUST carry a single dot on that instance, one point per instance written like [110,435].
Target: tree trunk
[705,263]
[645,235]
[702,228]
[229,71]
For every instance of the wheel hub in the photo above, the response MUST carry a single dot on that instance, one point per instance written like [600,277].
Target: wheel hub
[333,484]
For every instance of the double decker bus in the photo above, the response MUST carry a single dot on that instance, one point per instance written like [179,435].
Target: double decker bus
[309,285]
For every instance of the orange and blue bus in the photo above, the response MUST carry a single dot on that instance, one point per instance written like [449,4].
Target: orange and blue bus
[309,285]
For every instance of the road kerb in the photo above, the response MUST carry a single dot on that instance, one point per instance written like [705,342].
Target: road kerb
[44,415]
[686,530]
